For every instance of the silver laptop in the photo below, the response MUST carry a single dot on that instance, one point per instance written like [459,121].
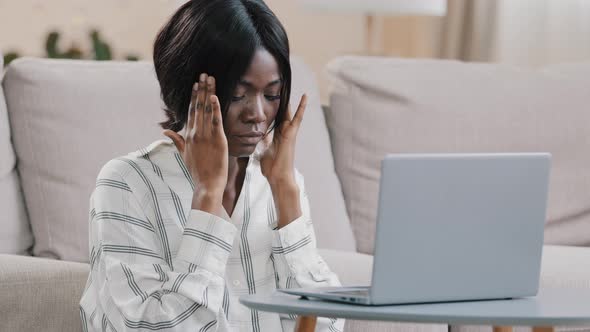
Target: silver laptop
[454,227]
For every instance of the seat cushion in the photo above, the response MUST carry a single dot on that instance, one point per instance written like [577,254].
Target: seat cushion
[70,117]
[40,294]
[16,236]
[565,267]
[384,105]
[561,267]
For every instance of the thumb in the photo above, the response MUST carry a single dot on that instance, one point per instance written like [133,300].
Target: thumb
[176,138]
[268,139]
[267,145]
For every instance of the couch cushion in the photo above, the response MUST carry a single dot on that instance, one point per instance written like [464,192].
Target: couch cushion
[70,117]
[16,236]
[40,294]
[313,158]
[561,267]
[384,105]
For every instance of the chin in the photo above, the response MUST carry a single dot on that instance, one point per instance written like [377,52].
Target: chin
[242,151]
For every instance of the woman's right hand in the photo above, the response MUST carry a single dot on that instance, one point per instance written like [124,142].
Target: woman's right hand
[204,147]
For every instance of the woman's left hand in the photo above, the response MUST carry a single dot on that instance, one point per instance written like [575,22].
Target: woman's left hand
[277,162]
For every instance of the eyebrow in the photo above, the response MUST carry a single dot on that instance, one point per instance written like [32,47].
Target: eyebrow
[248,84]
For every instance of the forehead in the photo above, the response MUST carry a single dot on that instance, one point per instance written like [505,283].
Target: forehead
[262,70]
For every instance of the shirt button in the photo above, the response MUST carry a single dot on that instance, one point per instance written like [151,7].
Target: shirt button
[236,282]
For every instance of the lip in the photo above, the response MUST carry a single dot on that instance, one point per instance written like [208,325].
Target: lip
[250,138]
[251,134]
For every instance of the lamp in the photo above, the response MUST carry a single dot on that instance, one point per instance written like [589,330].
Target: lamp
[371,8]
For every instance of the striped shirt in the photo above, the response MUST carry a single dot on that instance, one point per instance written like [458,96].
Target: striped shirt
[157,264]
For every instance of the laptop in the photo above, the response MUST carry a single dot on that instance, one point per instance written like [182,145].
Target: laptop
[454,227]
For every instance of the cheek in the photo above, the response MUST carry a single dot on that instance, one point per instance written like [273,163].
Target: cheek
[232,116]
[272,112]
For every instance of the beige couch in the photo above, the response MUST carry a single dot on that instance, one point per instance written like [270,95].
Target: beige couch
[60,121]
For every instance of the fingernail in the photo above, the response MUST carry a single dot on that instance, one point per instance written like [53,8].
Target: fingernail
[210,80]
[196,86]
[203,77]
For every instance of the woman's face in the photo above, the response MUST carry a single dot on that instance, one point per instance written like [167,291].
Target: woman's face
[253,106]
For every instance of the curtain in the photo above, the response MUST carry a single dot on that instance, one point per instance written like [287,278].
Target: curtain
[540,32]
[469,29]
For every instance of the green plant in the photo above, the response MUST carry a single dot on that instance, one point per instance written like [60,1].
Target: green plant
[53,52]
[101,50]
[8,57]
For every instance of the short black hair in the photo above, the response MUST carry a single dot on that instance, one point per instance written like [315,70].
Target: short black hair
[217,37]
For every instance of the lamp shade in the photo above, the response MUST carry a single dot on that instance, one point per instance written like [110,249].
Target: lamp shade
[387,7]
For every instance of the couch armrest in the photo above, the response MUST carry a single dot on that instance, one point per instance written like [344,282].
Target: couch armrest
[39,294]
[354,269]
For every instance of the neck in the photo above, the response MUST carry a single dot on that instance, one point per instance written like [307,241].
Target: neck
[236,171]
[235,167]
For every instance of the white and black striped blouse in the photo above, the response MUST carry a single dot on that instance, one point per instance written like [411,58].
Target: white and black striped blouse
[158,265]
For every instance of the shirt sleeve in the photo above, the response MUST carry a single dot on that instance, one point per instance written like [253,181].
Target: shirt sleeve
[298,263]
[139,285]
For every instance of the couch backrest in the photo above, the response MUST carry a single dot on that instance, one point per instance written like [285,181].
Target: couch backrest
[384,105]
[15,233]
[70,117]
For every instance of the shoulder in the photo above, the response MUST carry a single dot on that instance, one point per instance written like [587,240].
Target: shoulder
[134,162]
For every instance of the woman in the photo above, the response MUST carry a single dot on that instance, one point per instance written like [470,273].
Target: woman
[180,229]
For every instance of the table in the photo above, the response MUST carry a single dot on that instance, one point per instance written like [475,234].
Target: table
[551,307]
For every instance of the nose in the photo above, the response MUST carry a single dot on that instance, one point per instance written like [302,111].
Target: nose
[254,112]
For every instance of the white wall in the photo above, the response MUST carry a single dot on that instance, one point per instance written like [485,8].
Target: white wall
[131,25]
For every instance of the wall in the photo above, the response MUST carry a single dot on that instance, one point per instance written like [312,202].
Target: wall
[131,25]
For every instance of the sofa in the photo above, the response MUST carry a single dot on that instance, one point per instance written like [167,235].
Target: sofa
[61,120]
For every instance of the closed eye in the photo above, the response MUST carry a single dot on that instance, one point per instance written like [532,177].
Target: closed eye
[272,98]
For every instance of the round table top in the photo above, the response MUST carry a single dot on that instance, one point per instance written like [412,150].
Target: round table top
[551,307]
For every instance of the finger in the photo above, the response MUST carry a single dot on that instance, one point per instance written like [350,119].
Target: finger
[208,106]
[268,138]
[216,120]
[211,85]
[283,125]
[191,109]
[176,138]
[201,103]
[300,111]
[289,113]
